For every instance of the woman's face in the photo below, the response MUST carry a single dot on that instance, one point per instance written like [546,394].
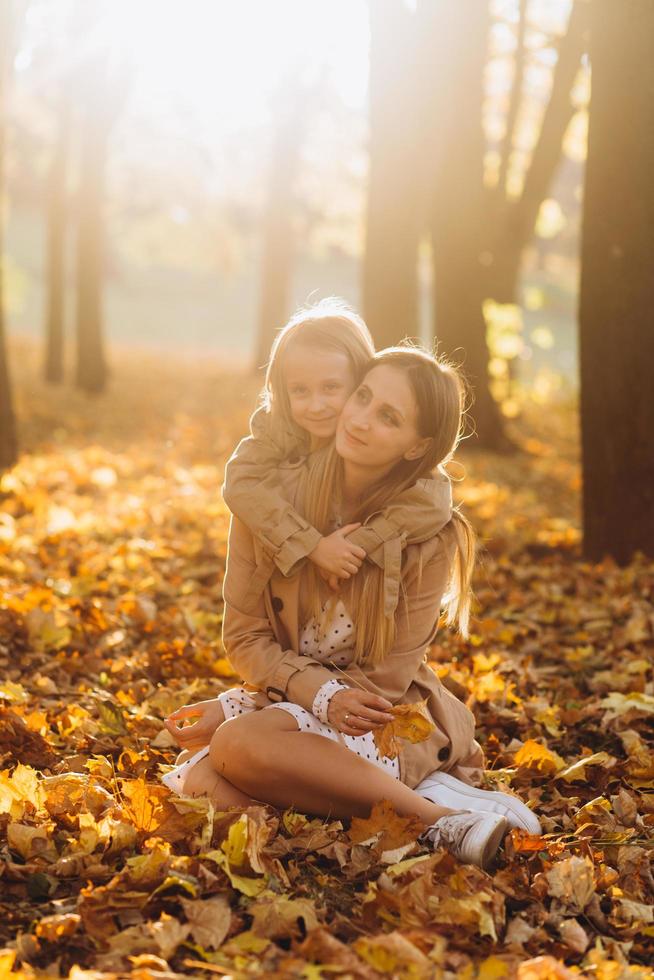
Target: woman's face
[379,423]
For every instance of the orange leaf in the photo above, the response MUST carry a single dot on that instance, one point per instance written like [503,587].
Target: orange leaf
[395,830]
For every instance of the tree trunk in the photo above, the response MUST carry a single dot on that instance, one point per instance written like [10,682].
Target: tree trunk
[455,146]
[617,285]
[277,245]
[56,249]
[8,441]
[511,224]
[390,282]
[91,368]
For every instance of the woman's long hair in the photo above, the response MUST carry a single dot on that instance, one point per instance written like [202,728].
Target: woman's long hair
[439,392]
[329,325]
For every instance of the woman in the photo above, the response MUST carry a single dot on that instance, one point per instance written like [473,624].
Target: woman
[316,752]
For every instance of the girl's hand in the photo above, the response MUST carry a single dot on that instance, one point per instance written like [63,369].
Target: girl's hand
[336,555]
[356,712]
[333,581]
[209,716]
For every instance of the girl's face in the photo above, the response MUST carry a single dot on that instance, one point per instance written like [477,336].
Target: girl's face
[379,423]
[318,383]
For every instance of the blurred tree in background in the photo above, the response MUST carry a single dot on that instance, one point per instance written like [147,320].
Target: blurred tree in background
[279,213]
[104,78]
[510,221]
[8,445]
[395,194]
[617,286]
[57,213]
[427,149]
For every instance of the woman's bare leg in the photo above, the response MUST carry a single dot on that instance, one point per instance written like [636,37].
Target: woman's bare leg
[265,755]
[203,780]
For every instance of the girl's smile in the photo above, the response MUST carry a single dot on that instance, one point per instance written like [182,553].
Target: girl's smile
[318,383]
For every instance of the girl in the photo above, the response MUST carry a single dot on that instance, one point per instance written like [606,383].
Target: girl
[316,751]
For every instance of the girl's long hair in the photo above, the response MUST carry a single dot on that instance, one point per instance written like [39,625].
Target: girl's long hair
[439,391]
[329,325]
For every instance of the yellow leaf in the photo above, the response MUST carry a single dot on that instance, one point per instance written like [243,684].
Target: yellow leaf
[7,960]
[532,755]
[235,844]
[411,722]
[20,791]
[398,869]
[248,942]
[492,968]
[393,954]
[13,692]
[248,886]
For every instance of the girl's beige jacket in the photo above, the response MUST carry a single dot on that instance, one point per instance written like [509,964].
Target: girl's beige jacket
[262,643]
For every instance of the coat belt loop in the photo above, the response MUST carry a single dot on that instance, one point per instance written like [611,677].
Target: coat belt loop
[392,564]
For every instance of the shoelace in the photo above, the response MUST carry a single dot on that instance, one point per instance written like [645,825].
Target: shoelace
[449,832]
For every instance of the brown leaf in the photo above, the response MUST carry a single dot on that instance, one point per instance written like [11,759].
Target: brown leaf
[277,917]
[572,882]
[574,936]
[209,920]
[53,928]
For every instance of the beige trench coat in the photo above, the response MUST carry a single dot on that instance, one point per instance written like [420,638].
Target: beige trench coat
[263,645]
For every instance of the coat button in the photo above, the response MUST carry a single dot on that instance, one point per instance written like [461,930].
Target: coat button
[444,753]
[277,604]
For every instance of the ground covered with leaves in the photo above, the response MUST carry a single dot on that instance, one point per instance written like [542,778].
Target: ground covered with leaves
[112,547]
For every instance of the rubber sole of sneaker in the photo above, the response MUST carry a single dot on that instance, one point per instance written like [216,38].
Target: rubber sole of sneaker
[492,845]
[457,795]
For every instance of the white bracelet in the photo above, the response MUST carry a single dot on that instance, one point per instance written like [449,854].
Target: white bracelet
[323,697]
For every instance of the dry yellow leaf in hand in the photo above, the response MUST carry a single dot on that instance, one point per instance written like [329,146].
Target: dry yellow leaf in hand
[411,722]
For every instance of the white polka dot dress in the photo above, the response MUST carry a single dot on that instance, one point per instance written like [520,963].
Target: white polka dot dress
[330,642]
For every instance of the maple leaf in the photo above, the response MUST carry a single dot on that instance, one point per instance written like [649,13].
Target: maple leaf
[277,917]
[152,809]
[393,954]
[571,881]
[386,827]
[209,920]
[411,722]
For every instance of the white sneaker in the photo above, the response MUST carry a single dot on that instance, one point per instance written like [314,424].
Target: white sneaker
[446,790]
[176,778]
[472,837]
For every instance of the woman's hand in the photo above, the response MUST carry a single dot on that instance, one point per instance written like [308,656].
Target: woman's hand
[356,712]
[336,555]
[209,716]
